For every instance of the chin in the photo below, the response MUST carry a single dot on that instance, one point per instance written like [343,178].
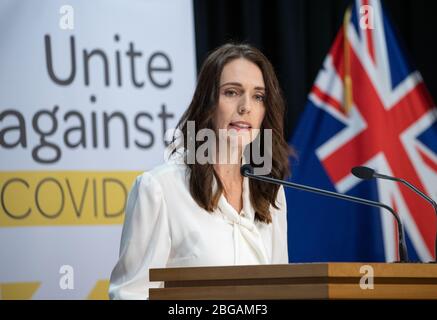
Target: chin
[242,141]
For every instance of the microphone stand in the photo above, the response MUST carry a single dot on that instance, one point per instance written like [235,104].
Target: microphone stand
[247,171]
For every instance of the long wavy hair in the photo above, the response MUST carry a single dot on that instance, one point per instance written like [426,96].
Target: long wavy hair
[202,111]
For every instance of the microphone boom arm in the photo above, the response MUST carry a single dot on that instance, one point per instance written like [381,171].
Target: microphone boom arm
[409,185]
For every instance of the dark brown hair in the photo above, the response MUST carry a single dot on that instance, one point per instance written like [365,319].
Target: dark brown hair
[202,110]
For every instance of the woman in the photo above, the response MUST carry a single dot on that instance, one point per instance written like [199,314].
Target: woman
[192,213]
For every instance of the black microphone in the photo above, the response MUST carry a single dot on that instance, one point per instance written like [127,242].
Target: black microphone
[367,173]
[247,171]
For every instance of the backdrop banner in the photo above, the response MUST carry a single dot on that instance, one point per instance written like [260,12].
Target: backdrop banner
[87,91]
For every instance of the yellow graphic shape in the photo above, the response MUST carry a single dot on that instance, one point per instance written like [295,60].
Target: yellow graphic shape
[18,290]
[100,291]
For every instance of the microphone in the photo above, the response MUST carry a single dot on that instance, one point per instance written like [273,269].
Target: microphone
[247,171]
[367,173]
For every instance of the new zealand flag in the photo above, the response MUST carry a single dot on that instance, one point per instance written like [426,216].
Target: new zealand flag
[370,107]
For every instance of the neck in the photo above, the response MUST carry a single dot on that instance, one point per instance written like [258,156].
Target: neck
[228,165]
[228,172]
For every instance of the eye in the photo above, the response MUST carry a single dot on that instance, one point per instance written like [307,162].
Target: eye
[259,97]
[230,93]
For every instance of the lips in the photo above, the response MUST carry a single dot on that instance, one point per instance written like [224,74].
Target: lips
[240,125]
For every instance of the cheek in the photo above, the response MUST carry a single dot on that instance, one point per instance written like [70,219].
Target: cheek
[220,117]
[260,116]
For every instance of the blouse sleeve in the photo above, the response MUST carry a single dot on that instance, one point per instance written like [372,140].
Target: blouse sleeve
[280,239]
[145,241]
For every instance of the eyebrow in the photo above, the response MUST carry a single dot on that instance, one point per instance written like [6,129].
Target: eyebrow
[240,85]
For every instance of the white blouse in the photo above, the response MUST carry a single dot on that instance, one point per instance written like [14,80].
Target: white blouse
[165,227]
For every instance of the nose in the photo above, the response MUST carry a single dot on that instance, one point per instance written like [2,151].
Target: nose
[244,105]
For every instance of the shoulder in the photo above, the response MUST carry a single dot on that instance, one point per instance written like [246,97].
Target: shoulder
[164,176]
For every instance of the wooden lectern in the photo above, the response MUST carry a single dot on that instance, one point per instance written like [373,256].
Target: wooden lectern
[298,281]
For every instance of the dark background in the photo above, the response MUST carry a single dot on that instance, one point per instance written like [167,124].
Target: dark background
[296,36]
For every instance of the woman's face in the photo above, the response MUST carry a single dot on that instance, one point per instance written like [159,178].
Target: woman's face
[240,108]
